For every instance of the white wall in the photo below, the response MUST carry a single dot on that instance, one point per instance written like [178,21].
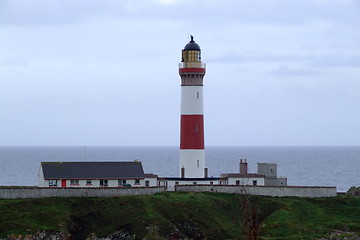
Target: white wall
[42,182]
[170,184]
[152,182]
[247,181]
[190,102]
[188,159]
[96,183]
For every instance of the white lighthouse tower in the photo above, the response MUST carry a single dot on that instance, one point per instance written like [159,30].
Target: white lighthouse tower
[192,151]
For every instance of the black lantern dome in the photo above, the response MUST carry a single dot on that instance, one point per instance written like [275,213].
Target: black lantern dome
[192,45]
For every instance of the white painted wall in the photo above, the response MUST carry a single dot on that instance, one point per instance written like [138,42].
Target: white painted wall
[189,159]
[247,181]
[192,100]
[111,183]
[171,183]
[152,182]
[96,183]
[42,182]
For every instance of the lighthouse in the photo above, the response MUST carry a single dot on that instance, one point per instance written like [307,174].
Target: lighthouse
[192,149]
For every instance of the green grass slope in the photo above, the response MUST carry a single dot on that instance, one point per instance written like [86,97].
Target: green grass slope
[182,215]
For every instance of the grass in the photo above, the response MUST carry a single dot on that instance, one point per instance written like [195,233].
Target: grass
[182,215]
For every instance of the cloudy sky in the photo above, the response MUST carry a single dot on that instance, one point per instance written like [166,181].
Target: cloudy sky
[86,72]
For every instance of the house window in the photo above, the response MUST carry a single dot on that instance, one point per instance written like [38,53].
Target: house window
[211,183]
[197,95]
[237,182]
[194,183]
[196,128]
[74,182]
[198,163]
[121,182]
[176,183]
[88,182]
[147,183]
[137,181]
[103,183]
[255,182]
[52,183]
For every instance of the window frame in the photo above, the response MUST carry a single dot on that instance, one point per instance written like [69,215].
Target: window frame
[104,183]
[74,182]
[53,183]
[121,182]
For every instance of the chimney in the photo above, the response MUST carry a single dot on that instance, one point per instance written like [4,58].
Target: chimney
[243,167]
[205,172]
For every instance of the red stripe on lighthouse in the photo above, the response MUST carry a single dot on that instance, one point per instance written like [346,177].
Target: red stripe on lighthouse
[190,70]
[192,132]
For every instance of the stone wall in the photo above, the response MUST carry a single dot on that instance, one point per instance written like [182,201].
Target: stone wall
[286,191]
[39,192]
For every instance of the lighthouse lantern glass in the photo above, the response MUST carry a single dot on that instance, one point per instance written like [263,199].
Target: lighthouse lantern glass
[191,56]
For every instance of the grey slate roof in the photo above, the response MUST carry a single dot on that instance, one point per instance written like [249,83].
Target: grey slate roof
[92,170]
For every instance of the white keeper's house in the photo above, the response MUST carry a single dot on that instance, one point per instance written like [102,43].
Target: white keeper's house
[94,174]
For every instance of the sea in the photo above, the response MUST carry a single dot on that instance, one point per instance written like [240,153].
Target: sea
[303,166]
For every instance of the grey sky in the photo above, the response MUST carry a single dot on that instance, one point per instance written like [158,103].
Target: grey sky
[279,72]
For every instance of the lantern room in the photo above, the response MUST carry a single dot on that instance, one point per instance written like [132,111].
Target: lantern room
[191,52]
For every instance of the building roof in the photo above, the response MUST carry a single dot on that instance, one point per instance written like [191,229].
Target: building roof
[192,45]
[238,175]
[92,170]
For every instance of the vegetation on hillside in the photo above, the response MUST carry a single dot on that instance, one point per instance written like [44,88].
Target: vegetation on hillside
[181,216]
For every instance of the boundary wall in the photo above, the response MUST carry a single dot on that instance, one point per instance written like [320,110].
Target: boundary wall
[42,192]
[283,191]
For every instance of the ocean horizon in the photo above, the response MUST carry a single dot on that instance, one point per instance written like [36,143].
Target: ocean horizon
[303,165]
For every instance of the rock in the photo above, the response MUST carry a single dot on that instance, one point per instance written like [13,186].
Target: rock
[39,236]
[342,235]
[354,191]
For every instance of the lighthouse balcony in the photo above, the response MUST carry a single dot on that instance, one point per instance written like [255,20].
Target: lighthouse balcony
[192,68]
[191,65]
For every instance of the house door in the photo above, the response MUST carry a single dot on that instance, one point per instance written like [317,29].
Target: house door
[63,183]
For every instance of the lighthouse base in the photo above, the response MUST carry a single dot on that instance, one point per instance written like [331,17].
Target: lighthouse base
[192,163]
